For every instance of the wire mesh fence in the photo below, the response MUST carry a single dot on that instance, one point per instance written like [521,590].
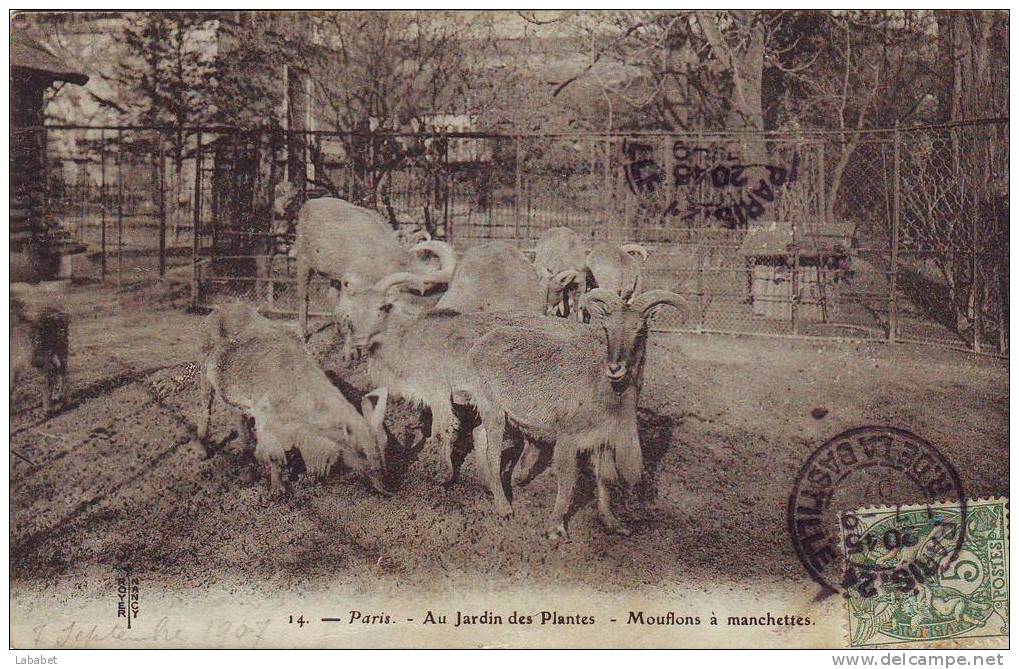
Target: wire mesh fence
[890,234]
[120,192]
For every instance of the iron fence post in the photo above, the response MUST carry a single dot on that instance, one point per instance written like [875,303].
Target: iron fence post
[517,189]
[700,289]
[103,195]
[196,219]
[822,176]
[120,207]
[447,226]
[975,288]
[893,303]
[796,282]
[162,206]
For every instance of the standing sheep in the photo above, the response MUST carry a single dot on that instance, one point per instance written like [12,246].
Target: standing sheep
[339,239]
[265,372]
[556,385]
[423,358]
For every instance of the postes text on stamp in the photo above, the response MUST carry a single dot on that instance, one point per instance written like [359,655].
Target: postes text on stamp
[905,584]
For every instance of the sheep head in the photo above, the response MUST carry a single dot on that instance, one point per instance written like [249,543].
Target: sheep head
[366,312]
[625,325]
[555,285]
[370,458]
[359,446]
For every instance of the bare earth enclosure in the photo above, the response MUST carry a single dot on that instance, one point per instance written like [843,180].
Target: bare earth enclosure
[114,479]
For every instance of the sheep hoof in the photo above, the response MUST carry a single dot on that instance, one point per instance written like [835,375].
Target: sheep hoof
[204,449]
[238,447]
[558,533]
[447,475]
[618,528]
[522,476]
[504,509]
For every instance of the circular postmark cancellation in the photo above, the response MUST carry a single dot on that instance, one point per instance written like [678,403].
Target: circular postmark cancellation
[875,466]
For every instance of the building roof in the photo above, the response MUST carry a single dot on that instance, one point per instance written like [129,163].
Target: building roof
[777,239]
[29,53]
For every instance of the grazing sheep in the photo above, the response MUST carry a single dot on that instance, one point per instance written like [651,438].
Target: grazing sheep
[562,254]
[616,268]
[339,239]
[264,371]
[554,382]
[40,340]
[494,276]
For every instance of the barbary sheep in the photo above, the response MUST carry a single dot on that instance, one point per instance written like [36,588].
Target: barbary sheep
[416,357]
[616,268]
[40,340]
[554,382]
[562,254]
[264,371]
[494,276]
[339,239]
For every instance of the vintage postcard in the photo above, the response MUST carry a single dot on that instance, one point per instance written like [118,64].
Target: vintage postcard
[509,329]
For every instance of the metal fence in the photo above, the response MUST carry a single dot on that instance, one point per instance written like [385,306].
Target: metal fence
[898,234]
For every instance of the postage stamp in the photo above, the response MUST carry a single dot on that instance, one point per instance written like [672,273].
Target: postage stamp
[905,584]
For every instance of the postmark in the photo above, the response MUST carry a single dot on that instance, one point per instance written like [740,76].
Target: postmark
[863,467]
[903,585]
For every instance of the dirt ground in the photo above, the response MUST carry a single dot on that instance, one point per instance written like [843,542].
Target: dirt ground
[114,478]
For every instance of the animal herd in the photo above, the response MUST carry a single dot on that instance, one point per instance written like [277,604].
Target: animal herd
[548,356]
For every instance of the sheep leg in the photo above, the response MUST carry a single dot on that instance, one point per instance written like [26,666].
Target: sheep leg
[63,373]
[603,461]
[204,422]
[245,435]
[444,427]
[303,279]
[50,374]
[578,294]
[527,465]
[276,488]
[489,454]
[566,472]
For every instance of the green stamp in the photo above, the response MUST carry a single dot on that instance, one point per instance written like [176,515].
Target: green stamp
[926,574]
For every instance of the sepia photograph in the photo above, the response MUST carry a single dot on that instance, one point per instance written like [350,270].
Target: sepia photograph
[518,329]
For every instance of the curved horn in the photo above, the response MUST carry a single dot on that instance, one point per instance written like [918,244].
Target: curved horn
[645,302]
[419,236]
[398,279]
[631,249]
[604,300]
[447,261]
[566,277]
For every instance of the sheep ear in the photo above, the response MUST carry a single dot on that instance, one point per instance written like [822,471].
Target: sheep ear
[373,407]
[334,291]
[634,250]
